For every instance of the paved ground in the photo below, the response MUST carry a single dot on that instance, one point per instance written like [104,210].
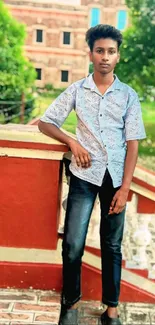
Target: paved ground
[42,307]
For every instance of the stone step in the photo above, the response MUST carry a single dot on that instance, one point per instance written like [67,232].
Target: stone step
[43,307]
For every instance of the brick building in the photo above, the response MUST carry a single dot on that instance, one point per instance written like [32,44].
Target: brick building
[56,34]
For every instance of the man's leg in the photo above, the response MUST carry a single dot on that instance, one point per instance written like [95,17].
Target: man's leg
[111,234]
[80,203]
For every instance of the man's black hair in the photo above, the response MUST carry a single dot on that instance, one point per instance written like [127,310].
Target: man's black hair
[103,31]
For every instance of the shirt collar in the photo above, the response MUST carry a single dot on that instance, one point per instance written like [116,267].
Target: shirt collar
[90,84]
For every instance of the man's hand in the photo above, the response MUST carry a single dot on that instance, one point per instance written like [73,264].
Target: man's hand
[119,201]
[81,155]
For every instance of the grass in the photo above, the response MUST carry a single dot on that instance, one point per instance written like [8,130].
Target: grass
[148,110]
[70,123]
[146,146]
[41,105]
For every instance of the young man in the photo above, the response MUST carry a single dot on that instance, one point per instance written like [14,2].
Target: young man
[103,161]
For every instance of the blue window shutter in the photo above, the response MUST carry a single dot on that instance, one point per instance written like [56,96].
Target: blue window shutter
[94,17]
[121,19]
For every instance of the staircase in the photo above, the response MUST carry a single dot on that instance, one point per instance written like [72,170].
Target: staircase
[138,267]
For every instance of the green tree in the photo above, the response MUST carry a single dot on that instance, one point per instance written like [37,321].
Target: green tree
[16,73]
[137,63]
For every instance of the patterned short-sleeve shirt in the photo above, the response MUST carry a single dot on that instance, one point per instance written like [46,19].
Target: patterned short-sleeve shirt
[104,125]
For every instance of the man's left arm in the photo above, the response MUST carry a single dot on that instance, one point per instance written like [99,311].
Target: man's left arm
[134,131]
[120,198]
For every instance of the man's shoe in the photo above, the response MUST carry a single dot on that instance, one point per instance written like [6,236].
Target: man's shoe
[106,320]
[68,317]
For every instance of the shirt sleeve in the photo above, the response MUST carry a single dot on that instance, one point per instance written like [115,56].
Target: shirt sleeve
[59,110]
[134,126]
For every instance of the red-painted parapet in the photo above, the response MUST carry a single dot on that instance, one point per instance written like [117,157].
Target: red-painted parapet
[143,184]
[30,187]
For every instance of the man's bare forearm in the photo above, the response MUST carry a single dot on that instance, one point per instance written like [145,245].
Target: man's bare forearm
[54,132]
[130,163]
[81,155]
[120,198]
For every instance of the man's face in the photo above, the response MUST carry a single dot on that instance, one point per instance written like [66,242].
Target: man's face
[105,55]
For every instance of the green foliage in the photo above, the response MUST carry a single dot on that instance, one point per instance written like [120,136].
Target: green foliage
[91,68]
[137,63]
[58,91]
[49,87]
[16,73]
[55,92]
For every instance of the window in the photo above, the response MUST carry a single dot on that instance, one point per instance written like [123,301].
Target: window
[39,36]
[39,73]
[121,19]
[94,17]
[66,37]
[64,76]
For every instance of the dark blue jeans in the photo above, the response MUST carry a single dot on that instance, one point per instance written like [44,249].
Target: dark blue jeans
[81,200]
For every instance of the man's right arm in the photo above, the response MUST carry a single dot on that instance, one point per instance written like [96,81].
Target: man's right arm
[53,131]
[54,117]
[81,155]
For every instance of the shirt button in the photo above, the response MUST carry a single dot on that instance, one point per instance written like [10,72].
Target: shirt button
[102,97]
[100,114]
[101,131]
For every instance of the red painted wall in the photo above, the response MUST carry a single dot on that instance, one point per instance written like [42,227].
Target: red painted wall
[49,276]
[29,194]
[145,205]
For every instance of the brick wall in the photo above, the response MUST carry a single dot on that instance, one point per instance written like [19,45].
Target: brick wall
[51,55]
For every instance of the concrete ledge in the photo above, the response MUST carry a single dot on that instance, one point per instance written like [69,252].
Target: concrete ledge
[25,133]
